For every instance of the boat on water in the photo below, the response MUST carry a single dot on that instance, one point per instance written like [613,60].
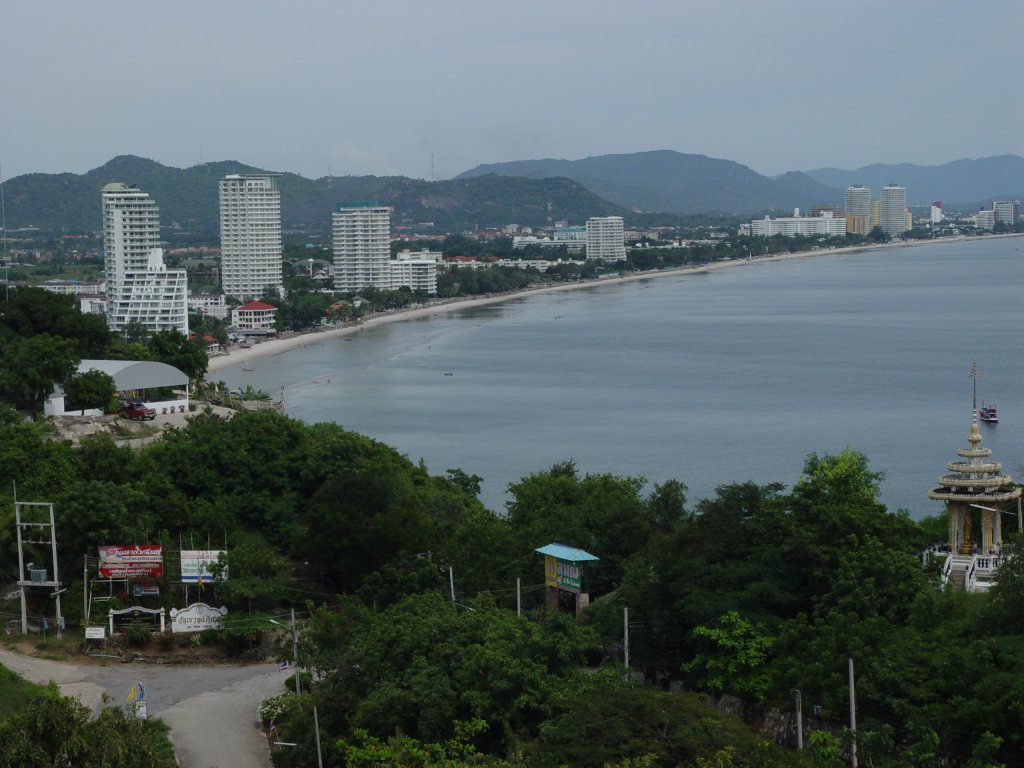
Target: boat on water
[988,414]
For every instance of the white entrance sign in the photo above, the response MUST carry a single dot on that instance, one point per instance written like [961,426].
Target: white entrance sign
[197,617]
[95,633]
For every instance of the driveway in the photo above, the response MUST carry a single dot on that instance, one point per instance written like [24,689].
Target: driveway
[210,710]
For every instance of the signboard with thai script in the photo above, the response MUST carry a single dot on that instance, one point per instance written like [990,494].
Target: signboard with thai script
[197,617]
[95,633]
[195,565]
[561,574]
[120,562]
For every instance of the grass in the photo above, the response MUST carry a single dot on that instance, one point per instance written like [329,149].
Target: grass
[156,730]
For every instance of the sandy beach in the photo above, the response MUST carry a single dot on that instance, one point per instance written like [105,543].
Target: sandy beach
[280,345]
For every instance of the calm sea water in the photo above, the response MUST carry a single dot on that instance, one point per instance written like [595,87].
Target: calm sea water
[713,378]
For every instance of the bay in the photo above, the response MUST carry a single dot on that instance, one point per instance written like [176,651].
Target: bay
[726,376]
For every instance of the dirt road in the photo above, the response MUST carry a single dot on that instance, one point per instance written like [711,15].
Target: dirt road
[210,710]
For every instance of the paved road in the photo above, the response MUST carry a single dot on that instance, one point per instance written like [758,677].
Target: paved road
[210,710]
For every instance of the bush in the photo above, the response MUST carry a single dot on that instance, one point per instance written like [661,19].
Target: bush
[138,635]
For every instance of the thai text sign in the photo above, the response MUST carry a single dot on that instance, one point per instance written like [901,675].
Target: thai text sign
[561,574]
[119,562]
[195,565]
[197,617]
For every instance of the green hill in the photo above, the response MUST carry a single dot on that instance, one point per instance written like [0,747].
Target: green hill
[187,198]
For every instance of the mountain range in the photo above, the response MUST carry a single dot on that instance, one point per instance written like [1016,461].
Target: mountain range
[646,188]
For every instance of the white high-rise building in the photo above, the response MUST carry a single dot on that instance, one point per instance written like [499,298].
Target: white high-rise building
[791,226]
[1006,211]
[857,207]
[250,235]
[362,247]
[893,208]
[139,285]
[606,238]
[936,213]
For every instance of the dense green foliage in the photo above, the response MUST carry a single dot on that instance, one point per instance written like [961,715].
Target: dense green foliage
[39,728]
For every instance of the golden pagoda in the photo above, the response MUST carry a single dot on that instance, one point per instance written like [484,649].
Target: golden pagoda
[974,485]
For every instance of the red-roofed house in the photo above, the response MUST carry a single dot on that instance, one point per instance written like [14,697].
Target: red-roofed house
[255,319]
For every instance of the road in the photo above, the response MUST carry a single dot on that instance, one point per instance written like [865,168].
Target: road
[210,710]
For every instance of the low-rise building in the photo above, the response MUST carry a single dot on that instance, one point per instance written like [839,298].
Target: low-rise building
[792,226]
[211,304]
[255,319]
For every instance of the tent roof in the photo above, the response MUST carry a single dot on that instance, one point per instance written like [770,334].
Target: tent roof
[136,374]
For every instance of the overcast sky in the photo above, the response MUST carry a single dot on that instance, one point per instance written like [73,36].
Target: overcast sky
[380,87]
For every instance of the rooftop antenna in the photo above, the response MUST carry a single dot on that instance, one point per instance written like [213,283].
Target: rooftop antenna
[973,375]
[433,175]
[330,177]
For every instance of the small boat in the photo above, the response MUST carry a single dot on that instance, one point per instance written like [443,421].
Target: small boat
[987,413]
[448,373]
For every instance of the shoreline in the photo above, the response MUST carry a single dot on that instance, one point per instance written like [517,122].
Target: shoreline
[278,346]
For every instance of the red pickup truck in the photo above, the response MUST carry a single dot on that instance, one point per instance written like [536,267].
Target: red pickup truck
[137,411]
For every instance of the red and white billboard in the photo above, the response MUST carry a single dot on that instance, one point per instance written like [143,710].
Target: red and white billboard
[119,562]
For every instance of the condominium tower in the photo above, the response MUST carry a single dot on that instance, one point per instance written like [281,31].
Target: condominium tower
[250,235]
[1006,211]
[140,288]
[606,238]
[362,247]
[857,207]
[893,209]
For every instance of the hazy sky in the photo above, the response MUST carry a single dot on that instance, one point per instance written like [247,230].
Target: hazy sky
[377,87]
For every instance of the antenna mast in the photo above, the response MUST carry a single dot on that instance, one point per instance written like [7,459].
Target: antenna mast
[973,375]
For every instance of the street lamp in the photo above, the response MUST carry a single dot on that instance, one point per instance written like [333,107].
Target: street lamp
[295,653]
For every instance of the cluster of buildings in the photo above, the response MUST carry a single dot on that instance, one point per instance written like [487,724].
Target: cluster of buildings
[140,288]
[604,237]
[860,215]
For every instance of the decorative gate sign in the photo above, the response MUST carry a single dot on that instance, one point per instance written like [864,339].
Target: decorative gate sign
[197,617]
[120,562]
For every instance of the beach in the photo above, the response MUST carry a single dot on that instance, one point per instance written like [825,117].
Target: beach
[280,345]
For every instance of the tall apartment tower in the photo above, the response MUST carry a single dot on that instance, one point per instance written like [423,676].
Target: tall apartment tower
[250,235]
[893,207]
[606,238]
[857,207]
[1006,211]
[361,234]
[139,285]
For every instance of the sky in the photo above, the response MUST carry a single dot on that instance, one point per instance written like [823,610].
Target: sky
[431,88]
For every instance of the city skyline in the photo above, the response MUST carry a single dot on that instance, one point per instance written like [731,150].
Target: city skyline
[447,86]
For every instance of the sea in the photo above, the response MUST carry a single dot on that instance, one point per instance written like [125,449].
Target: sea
[710,378]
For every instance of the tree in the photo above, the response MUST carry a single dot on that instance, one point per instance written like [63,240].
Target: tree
[91,389]
[1008,591]
[31,368]
[735,659]
[174,349]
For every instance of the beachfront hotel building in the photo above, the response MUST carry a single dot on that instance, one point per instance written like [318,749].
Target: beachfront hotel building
[857,208]
[140,288]
[791,226]
[361,235]
[893,210]
[250,235]
[1006,211]
[606,238]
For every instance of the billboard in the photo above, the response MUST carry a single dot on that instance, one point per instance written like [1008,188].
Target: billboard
[561,574]
[119,562]
[195,564]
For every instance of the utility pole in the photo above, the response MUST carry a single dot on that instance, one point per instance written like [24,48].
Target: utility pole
[295,655]
[451,582]
[519,602]
[316,731]
[853,720]
[625,634]
[799,720]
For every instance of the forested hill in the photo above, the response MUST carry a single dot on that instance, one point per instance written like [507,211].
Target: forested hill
[959,182]
[680,183]
[187,198]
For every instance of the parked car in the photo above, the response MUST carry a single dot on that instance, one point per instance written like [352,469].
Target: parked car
[137,411]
